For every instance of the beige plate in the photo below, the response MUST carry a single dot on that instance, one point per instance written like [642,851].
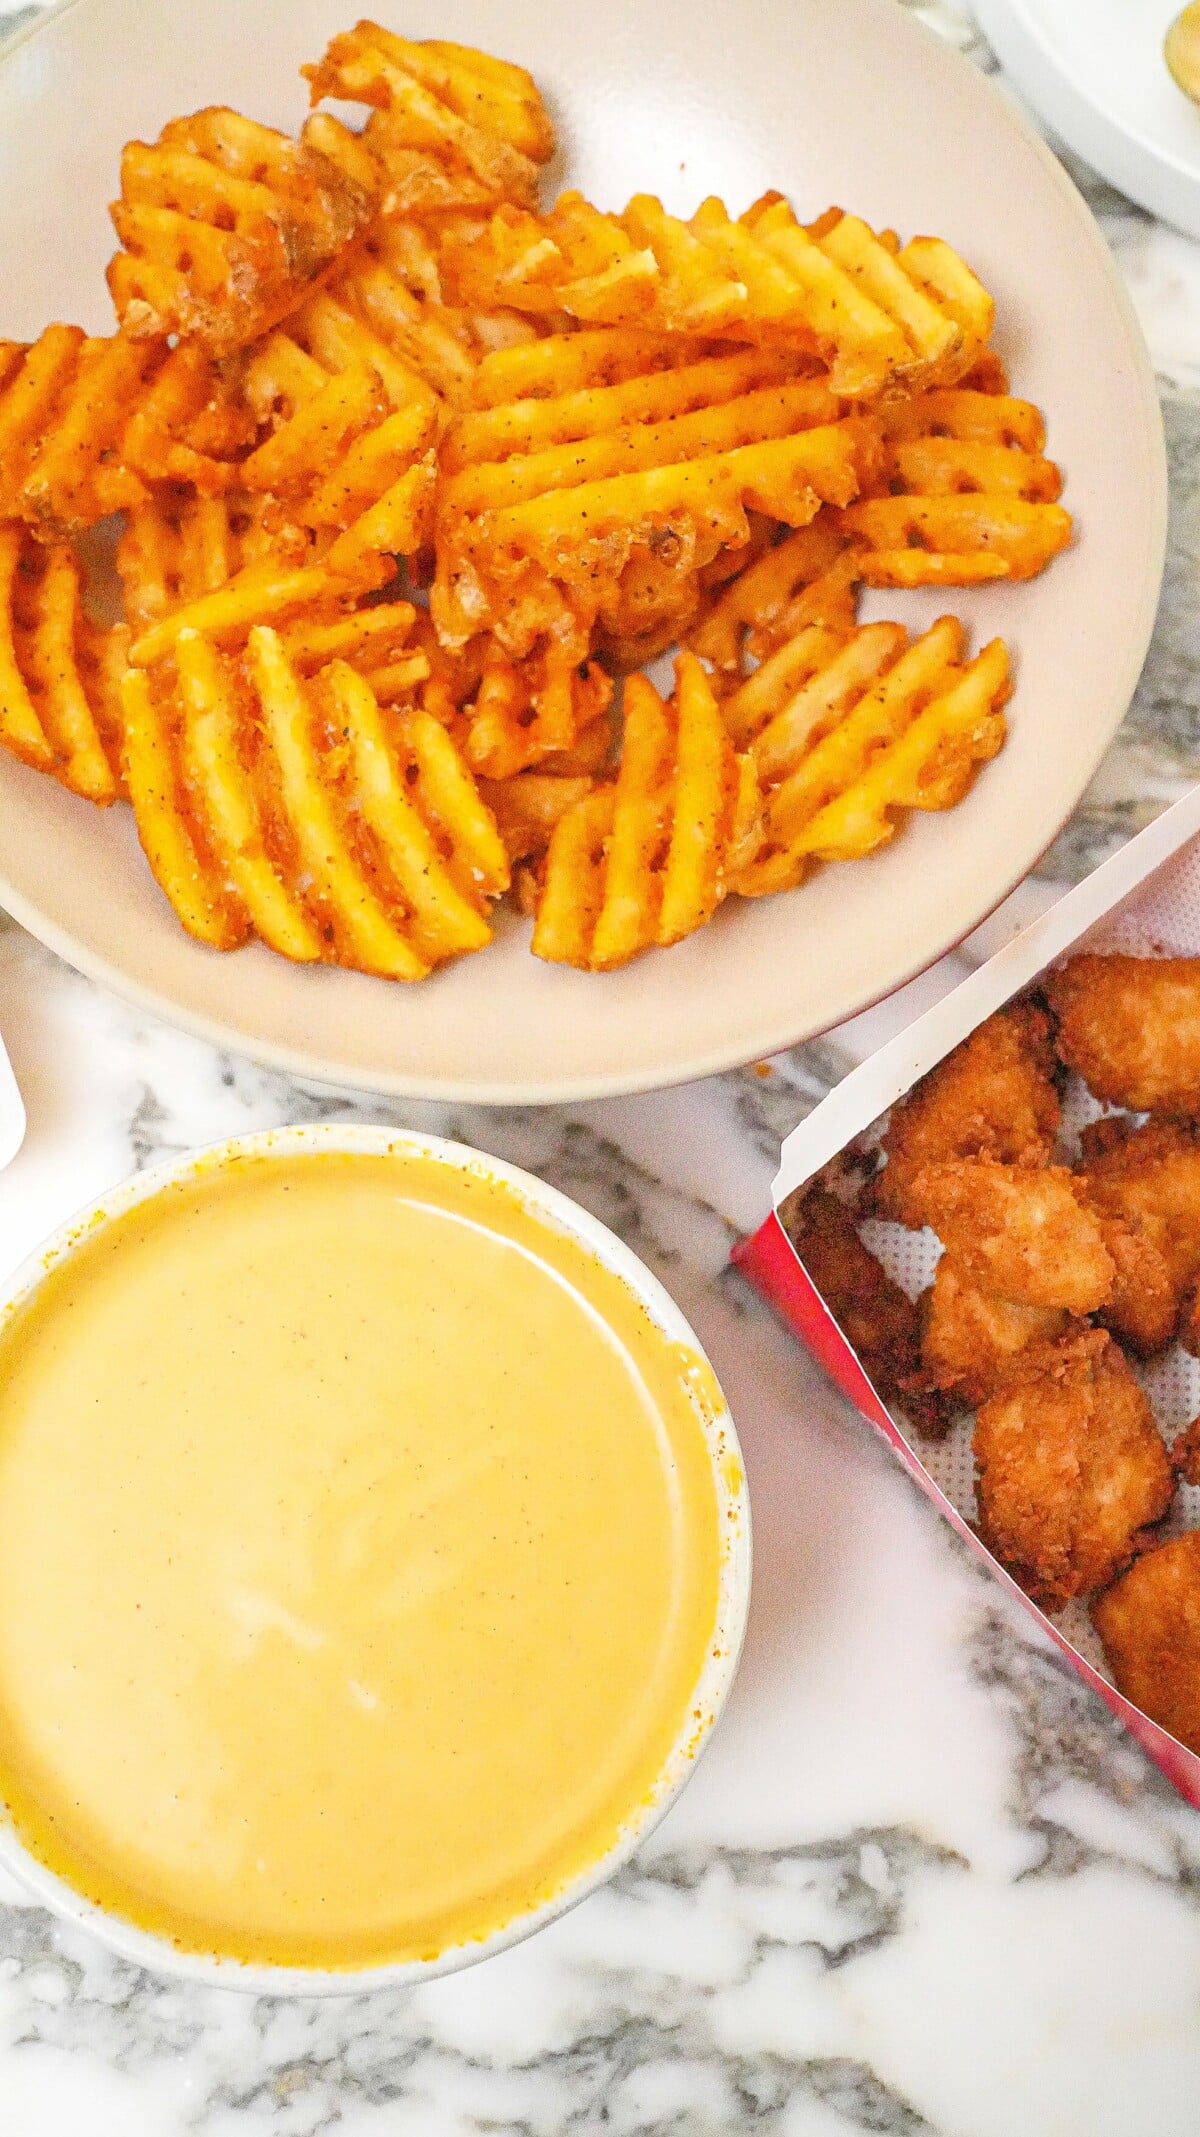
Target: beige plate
[831,100]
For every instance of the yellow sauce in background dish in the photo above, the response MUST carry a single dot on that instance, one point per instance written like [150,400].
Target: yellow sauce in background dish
[358,1560]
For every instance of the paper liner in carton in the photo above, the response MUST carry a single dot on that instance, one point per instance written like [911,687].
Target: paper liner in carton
[1145,900]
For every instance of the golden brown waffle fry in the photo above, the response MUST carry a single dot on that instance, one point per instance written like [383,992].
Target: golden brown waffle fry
[377,642]
[843,730]
[223,222]
[523,712]
[965,496]
[189,425]
[450,128]
[177,547]
[57,670]
[62,410]
[807,578]
[666,463]
[298,810]
[220,565]
[643,860]
[878,316]
[347,466]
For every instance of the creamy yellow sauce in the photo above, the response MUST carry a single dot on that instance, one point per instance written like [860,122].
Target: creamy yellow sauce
[358,1560]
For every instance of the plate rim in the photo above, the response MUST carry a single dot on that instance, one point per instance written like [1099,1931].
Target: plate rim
[776,1032]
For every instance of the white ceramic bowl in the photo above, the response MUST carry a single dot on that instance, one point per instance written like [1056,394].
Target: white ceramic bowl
[831,100]
[1094,70]
[733,1599]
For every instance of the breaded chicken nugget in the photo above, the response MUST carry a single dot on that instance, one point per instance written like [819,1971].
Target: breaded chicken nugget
[1071,1467]
[969,1337]
[1150,1177]
[1130,1026]
[878,1319]
[994,1096]
[1144,1308]
[1022,1235]
[1149,1623]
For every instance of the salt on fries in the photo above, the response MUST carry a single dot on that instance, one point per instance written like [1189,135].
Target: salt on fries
[408,465]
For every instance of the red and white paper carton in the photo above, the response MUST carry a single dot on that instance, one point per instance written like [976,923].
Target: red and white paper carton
[1146,901]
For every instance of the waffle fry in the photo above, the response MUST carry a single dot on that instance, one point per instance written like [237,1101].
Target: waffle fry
[377,642]
[970,495]
[523,713]
[57,670]
[878,316]
[644,860]
[186,873]
[298,811]
[450,128]
[843,730]
[177,547]
[190,424]
[223,222]
[807,578]
[221,565]
[665,463]
[965,496]
[62,409]
[344,464]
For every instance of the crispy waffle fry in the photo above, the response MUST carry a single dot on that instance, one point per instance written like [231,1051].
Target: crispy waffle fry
[346,466]
[62,409]
[177,547]
[189,425]
[664,463]
[450,128]
[377,642]
[299,811]
[643,860]
[970,495]
[522,713]
[843,731]
[223,222]
[807,578]
[969,498]
[878,316]
[57,670]
[185,871]
[221,565]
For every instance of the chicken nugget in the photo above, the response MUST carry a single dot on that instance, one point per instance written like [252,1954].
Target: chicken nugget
[877,1318]
[994,1096]
[1022,1235]
[1150,1177]
[1130,1026]
[1071,1467]
[1149,1624]
[968,1336]
[1144,1307]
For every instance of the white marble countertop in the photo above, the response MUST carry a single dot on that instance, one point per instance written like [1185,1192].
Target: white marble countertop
[922,1883]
